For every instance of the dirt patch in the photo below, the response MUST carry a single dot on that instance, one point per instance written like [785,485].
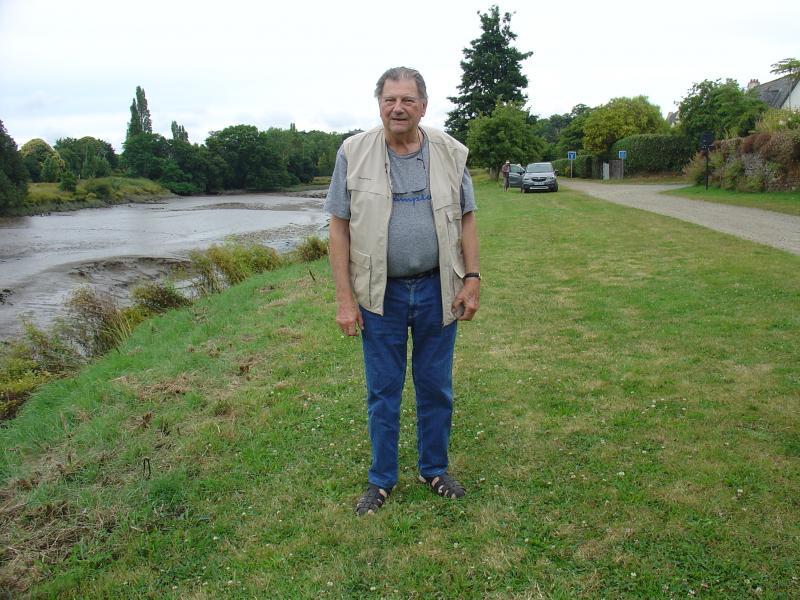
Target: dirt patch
[41,535]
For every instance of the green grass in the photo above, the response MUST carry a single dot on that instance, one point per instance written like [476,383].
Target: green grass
[784,202]
[626,426]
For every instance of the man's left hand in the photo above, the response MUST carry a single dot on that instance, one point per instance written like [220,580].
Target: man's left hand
[467,302]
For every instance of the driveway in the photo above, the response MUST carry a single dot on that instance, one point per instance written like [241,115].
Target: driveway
[763,226]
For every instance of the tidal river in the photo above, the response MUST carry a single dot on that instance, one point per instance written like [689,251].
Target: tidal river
[43,258]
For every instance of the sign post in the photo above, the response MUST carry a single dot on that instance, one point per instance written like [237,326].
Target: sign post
[623,154]
[571,157]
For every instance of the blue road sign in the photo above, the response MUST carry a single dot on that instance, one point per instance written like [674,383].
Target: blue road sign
[623,154]
[571,155]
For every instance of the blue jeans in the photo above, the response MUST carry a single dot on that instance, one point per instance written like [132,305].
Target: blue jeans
[415,304]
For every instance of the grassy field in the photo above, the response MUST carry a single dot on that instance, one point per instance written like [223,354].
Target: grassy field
[626,426]
[784,202]
[97,192]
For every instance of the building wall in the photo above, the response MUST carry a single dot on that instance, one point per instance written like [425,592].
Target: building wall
[793,101]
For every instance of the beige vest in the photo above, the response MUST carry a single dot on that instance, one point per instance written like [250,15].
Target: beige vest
[370,190]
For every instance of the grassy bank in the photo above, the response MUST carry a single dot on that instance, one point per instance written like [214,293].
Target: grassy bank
[784,202]
[90,193]
[626,426]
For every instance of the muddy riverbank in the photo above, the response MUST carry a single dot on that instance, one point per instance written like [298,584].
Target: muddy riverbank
[44,258]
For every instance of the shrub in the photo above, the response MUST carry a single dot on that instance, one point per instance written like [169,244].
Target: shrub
[751,183]
[311,249]
[68,182]
[95,322]
[695,170]
[156,297]
[231,263]
[207,280]
[237,262]
[48,350]
[783,147]
[101,188]
[731,173]
[778,119]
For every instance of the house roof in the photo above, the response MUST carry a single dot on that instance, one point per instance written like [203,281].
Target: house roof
[774,93]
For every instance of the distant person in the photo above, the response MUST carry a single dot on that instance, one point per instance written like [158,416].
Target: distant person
[506,170]
[404,255]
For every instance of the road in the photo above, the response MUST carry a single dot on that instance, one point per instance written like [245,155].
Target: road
[774,229]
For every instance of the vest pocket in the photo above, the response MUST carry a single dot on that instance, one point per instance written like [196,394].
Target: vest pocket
[454,236]
[360,270]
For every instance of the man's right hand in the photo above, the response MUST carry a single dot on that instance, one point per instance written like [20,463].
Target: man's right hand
[349,319]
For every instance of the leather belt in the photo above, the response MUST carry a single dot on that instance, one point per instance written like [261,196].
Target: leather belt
[427,273]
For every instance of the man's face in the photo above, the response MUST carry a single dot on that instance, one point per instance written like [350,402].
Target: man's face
[400,105]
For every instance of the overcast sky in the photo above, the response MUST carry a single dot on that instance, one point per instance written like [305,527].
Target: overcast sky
[71,68]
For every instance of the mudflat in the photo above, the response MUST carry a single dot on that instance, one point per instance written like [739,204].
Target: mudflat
[43,258]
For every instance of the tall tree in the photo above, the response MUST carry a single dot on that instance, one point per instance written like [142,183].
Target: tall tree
[506,134]
[140,115]
[179,133]
[492,71]
[721,108]
[87,157]
[571,137]
[34,154]
[13,174]
[620,118]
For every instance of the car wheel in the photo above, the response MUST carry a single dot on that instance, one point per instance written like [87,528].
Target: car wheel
[555,188]
[522,189]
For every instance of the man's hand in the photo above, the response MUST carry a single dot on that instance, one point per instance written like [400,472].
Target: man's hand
[348,317]
[467,302]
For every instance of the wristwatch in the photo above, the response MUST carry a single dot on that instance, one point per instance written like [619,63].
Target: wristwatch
[475,275]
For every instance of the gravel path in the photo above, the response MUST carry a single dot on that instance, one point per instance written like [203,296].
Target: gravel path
[763,226]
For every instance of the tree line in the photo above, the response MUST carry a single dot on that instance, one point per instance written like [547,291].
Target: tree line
[489,116]
[237,157]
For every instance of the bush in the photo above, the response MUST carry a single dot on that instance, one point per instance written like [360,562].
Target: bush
[95,322]
[695,170]
[655,153]
[311,249]
[101,188]
[156,297]
[778,119]
[783,147]
[68,182]
[731,173]
[48,350]
[232,263]
[207,280]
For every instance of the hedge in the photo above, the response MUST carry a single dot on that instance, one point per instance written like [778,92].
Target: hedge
[586,166]
[655,153]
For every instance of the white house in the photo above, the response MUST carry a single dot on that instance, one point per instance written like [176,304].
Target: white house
[779,93]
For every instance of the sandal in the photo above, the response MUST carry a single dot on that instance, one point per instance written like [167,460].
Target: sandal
[372,499]
[444,485]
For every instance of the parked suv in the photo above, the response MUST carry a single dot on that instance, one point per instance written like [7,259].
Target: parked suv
[539,176]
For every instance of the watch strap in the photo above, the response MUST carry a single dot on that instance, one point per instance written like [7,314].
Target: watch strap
[473,274]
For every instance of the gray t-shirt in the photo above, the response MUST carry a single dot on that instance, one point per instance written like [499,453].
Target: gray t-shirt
[412,245]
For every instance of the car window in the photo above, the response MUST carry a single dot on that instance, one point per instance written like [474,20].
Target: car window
[517,169]
[540,168]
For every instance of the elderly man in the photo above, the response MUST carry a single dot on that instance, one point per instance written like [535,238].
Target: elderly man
[404,255]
